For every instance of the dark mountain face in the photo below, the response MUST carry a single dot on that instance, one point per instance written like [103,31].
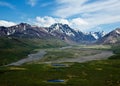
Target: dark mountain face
[24,30]
[65,32]
[62,28]
[110,38]
[3,31]
[57,30]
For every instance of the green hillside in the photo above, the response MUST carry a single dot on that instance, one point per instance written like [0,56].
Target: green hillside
[116,50]
[13,49]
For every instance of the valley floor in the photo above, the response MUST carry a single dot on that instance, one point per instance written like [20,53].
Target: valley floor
[30,58]
[83,55]
[99,56]
[72,65]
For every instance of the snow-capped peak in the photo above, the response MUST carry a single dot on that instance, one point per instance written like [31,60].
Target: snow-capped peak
[117,31]
[98,35]
[62,28]
[95,36]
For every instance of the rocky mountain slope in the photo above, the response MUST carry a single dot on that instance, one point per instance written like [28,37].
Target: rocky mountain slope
[24,30]
[57,30]
[110,38]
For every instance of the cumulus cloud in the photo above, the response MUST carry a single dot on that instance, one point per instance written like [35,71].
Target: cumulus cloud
[78,22]
[7,5]
[32,2]
[6,23]
[46,21]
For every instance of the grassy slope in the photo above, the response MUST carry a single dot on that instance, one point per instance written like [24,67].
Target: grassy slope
[95,73]
[116,50]
[14,49]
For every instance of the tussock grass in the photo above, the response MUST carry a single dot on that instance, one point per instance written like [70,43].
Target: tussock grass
[94,73]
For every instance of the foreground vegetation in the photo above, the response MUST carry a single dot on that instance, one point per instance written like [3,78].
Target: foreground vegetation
[116,50]
[95,73]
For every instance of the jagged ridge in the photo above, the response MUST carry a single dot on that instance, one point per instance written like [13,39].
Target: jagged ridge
[61,31]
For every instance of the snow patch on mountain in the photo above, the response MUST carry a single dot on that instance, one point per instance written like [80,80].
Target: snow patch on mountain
[62,28]
[118,32]
[98,35]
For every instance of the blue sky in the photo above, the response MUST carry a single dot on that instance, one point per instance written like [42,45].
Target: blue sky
[84,15]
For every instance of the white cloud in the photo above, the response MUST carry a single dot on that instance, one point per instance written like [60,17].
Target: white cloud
[6,23]
[46,21]
[7,5]
[32,2]
[94,13]
[78,24]
[78,21]
[69,8]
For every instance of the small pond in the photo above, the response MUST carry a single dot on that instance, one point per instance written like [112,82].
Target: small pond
[55,80]
[59,65]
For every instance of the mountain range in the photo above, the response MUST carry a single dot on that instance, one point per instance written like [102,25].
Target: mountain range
[60,31]
[110,38]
